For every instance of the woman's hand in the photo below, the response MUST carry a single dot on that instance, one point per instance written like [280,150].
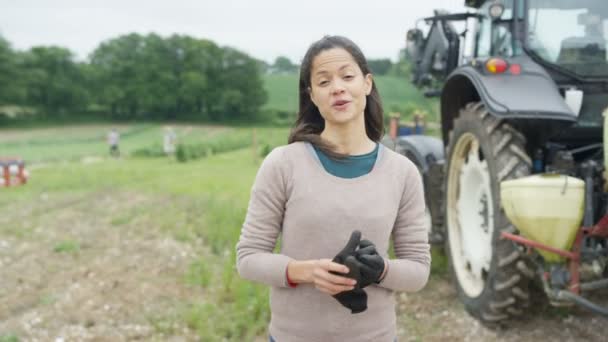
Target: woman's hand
[330,283]
[318,273]
[372,266]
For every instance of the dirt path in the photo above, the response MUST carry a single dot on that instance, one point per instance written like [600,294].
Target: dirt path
[72,269]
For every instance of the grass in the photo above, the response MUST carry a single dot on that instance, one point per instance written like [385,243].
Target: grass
[9,338]
[67,246]
[199,273]
[439,265]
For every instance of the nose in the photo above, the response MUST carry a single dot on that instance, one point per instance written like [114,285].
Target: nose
[337,87]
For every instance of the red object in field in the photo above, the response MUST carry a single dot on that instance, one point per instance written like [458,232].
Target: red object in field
[12,172]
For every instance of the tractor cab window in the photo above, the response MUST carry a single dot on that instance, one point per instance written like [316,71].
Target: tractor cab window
[571,34]
[494,37]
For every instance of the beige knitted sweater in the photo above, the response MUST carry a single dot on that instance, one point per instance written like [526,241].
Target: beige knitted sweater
[313,214]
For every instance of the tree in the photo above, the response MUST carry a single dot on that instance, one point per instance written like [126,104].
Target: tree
[151,76]
[55,83]
[380,66]
[283,65]
[243,89]
[11,86]
[263,66]
[118,65]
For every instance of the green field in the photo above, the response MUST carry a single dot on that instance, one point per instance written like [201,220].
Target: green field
[397,94]
[75,142]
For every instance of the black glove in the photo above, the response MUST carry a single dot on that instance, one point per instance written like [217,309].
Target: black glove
[355,299]
[370,263]
[349,250]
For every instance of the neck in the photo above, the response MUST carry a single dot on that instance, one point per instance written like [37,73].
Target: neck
[349,138]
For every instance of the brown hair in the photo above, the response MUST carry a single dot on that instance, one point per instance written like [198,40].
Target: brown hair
[310,123]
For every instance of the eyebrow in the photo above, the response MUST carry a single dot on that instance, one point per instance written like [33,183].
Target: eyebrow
[321,72]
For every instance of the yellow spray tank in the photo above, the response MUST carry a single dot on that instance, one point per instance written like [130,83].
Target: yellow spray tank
[549,208]
[546,208]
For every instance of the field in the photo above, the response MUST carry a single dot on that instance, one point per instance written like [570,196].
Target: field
[142,248]
[140,224]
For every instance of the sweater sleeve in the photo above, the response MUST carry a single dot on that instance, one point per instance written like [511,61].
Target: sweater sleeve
[262,226]
[410,270]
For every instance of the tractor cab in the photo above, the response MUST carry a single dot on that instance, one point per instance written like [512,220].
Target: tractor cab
[570,40]
[547,44]
[571,36]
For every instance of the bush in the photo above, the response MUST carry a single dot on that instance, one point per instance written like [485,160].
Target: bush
[150,152]
[180,153]
[186,152]
[278,117]
[4,119]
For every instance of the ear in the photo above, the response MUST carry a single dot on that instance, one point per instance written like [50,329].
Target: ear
[369,81]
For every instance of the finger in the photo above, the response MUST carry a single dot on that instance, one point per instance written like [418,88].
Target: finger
[369,272]
[353,242]
[331,266]
[366,250]
[365,269]
[333,279]
[353,265]
[374,261]
[331,288]
[365,243]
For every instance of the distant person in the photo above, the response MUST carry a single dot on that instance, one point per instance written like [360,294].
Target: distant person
[113,141]
[335,198]
[169,141]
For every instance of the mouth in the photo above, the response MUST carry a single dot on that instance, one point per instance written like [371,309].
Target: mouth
[340,104]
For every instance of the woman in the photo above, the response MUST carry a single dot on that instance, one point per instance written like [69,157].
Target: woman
[333,179]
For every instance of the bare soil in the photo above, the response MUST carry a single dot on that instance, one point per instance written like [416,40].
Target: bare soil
[118,283]
[72,270]
[436,314]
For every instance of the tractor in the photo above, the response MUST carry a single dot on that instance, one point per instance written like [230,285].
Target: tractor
[516,186]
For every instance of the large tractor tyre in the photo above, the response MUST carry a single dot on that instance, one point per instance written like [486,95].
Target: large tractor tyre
[434,234]
[491,275]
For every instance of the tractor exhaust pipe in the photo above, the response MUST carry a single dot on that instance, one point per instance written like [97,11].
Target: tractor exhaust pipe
[578,300]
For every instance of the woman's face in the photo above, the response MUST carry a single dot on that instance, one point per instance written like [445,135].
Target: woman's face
[338,86]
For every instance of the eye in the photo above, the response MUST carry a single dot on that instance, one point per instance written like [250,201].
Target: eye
[323,83]
[349,77]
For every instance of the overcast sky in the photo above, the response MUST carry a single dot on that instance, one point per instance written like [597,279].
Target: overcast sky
[264,29]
